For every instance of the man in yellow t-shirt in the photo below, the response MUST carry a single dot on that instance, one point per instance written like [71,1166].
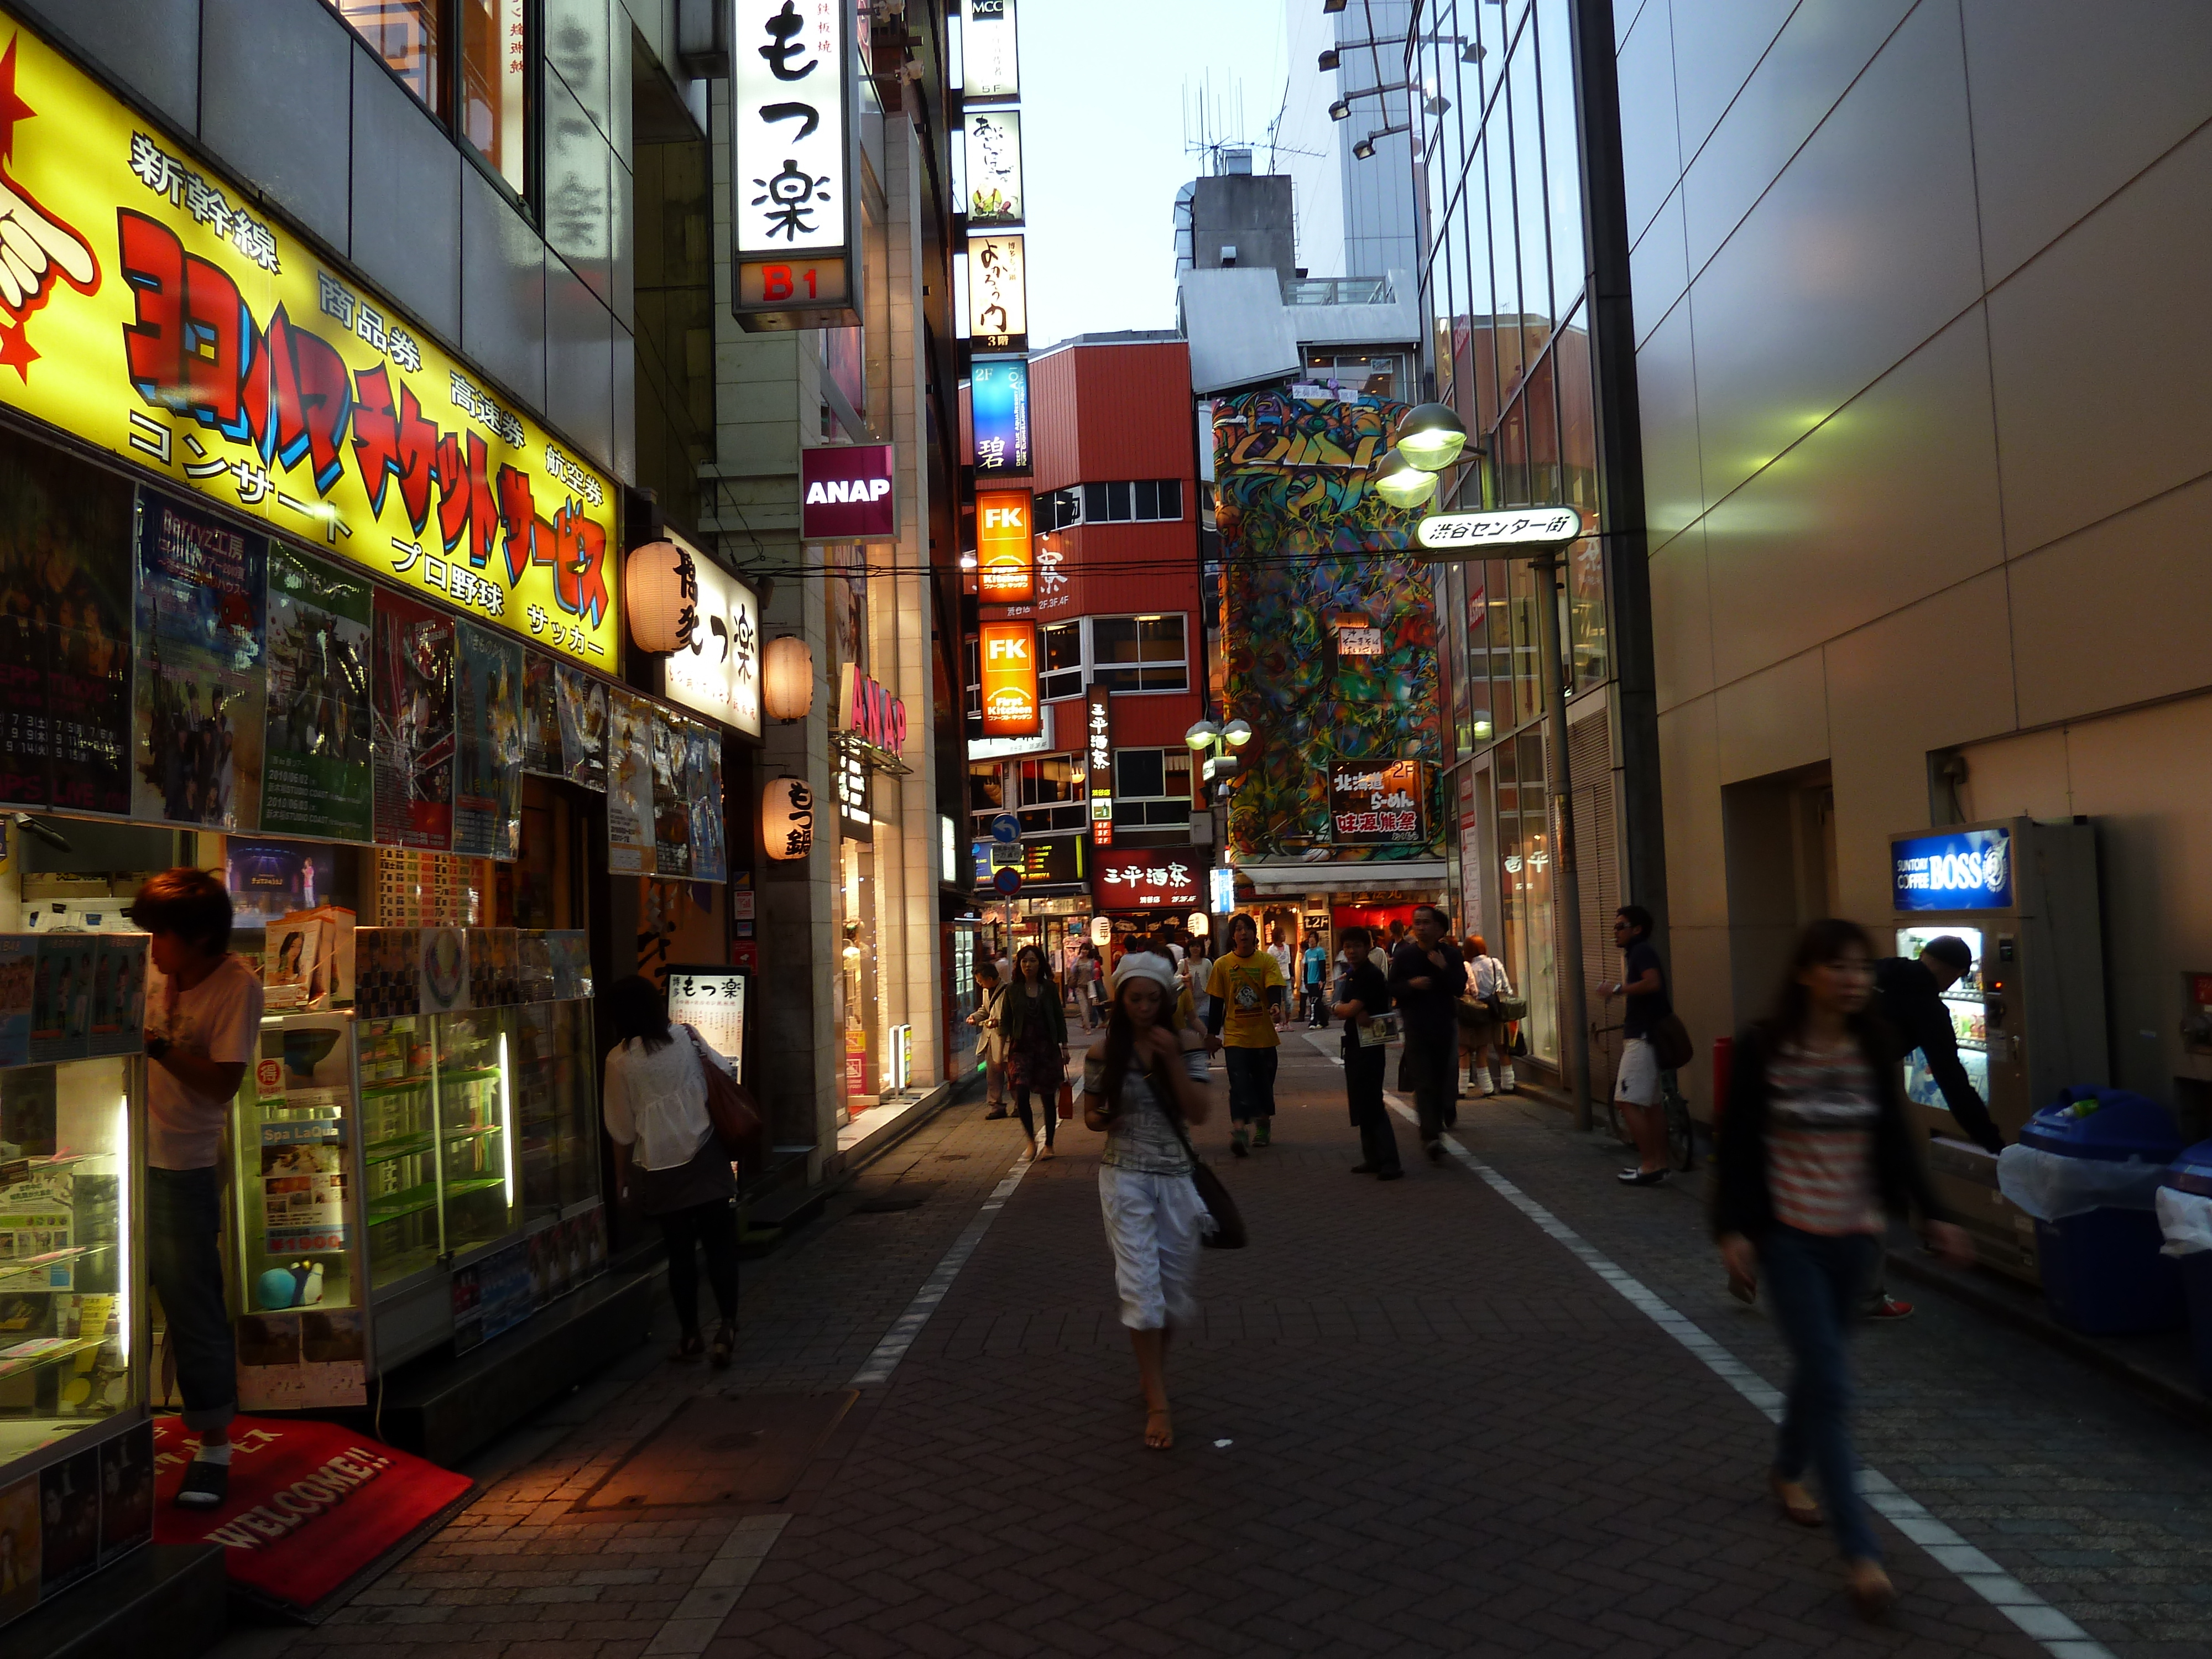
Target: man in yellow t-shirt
[1247,987]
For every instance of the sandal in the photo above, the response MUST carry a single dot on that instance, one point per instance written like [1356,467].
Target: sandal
[1800,1509]
[1870,1591]
[687,1346]
[724,1345]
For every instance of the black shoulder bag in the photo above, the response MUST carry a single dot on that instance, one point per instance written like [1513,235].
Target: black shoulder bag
[1228,1232]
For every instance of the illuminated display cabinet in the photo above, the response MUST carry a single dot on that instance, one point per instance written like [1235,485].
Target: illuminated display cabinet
[407,1181]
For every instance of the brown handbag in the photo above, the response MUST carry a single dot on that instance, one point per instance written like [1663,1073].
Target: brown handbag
[729,1104]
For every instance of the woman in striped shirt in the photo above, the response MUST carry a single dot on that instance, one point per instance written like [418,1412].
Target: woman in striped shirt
[1815,1154]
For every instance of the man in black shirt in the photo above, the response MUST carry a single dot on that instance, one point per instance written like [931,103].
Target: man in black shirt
[1426,977]
[1635,1090]
[1362,998]
[1910,996]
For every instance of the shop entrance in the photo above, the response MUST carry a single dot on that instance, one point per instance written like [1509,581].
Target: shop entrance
[1780,835]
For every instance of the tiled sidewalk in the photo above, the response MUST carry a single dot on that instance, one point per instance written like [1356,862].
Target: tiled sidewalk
[1410,1423]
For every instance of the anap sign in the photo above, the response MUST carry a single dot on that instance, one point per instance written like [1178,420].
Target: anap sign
[1959,869]
[848,494]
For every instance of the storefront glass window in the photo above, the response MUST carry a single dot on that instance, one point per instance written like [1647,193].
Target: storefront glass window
[495,85]
[404,33]
[1538,979]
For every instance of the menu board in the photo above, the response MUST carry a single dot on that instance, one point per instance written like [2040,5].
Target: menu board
[712,1002]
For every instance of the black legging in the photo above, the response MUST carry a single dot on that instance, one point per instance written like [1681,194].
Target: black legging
[713,1226]
[1047,1096]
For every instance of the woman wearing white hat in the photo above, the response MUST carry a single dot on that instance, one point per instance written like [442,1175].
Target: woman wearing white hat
[1141,1083]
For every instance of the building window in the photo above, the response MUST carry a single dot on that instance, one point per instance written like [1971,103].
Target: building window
[1051,793]
[987,789]
[1062,669]
[1059,509]
[1139,653]
[1152,788]
[486,80]
[973,701]
[1144,500]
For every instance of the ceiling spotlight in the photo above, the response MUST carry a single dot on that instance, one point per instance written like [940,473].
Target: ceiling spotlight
[1364,150]
[1432,436]
[1330,8]
[1402,484]
[1340,110]
[1330,60]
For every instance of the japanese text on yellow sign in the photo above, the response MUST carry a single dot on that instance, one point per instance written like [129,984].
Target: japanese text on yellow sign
[151,309]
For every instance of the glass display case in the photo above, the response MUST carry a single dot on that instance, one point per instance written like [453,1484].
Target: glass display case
[1968,1008]
[73,1301]
[555,1107]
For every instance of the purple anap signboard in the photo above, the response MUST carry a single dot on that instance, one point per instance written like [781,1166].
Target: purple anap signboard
[848,494]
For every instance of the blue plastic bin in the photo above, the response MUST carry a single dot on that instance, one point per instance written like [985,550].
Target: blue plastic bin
[2192,1172]
[2104,1273]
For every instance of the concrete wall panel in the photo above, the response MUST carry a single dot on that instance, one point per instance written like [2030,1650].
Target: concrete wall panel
[275,101]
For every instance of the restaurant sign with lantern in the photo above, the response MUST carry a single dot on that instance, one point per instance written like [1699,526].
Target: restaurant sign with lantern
[787,820]
[704,623]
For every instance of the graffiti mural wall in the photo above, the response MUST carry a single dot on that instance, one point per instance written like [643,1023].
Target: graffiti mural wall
[1307,548]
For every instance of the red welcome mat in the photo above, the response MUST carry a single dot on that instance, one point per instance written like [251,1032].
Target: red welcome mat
[312,1506]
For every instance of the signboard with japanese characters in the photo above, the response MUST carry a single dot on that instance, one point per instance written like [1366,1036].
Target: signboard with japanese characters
[1005,565]
[1098,762]
[1049,859]
[999,411]
[1148,879]
[998,294]
[160,314]
[793,164]
[712,1002]
[995,169]
[1009,655]
[989,63]
[1378,804]
[718,674]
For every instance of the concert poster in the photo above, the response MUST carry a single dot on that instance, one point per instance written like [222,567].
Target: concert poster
[320,779]
[411,725]
[487,790]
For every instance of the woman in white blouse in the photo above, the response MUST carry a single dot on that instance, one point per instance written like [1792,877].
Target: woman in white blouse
[667,1153]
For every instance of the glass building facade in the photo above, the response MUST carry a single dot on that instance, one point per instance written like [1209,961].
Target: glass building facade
[1503,287]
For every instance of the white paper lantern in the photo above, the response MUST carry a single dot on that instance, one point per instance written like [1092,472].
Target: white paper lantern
[660,591]
[1102,931]
[1200,924]
[788,818]
[787,678]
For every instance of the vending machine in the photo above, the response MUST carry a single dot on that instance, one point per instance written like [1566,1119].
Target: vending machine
[2029,1014]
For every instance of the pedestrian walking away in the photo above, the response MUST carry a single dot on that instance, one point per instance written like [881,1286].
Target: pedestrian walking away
[1141,1082]
[1198,970]
[202,1030]
[1482,1023]
[1245,1020]
[990,1039]
[1426,978]
[668,1156]
[1037,1044]
[1643,982]
[1363,997]
[1815,1150]
[1316,964]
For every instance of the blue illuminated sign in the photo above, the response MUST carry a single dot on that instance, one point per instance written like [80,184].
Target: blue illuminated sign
[999,405]
[1223,882]
[1962,869]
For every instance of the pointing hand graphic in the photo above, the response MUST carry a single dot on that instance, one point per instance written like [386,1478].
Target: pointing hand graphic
[31,246]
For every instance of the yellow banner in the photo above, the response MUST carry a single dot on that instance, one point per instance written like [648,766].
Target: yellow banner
[149,307]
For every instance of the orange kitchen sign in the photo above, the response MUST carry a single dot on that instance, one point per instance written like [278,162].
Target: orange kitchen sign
[1010,679]
[152,308]
[1004,564]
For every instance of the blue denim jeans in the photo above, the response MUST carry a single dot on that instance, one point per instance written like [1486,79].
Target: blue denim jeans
[1815,1284]
[1251,1083]
[184,1221]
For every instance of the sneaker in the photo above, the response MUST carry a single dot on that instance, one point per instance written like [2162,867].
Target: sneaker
[206,1486]
[1237,1143]
[1888,1309]
[1641,1177]
[1435,1149]
[1265,1133]
[1000,1112]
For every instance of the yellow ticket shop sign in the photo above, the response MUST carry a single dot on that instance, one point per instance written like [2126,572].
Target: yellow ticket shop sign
[151,309]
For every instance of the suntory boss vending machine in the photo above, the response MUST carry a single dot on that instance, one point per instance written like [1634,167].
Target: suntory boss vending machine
[2029,1014]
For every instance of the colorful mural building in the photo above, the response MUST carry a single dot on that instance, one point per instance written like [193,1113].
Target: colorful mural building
[1327,650]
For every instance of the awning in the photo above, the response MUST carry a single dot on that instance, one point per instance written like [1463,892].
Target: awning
[1289,876]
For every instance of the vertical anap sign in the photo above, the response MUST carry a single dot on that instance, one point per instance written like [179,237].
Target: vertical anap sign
[794,165]
[1009,653]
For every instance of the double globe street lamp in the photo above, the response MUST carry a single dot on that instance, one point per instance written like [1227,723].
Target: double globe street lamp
[1430,439]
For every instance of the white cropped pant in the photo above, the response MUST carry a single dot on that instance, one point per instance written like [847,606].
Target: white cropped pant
[1152,1224]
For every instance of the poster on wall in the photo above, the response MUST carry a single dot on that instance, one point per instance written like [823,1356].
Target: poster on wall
[319,778]
[413,725]
[671,804]
[197,713]
[487,784]
[65,632]
[583,703]
[270,879]
[119,995]
[18,962]
[61,997]
[541,716]
[702,787]
[630,783]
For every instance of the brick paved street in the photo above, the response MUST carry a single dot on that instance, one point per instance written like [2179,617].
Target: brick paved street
[1411,1423]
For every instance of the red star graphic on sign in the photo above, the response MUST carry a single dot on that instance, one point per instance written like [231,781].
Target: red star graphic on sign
[12,108]
[17,351]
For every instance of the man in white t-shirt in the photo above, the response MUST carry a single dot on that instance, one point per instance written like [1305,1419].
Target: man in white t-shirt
[203,1030]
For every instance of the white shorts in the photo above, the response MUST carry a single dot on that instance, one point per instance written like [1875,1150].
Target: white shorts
[1638,1081]
[1152,1224]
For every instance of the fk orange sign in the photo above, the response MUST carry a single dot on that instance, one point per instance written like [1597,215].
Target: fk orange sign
[1010,679]
[1005,565]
